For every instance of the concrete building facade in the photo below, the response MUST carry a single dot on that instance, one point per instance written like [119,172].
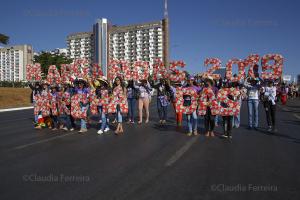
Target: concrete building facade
[80,45]
[13,61]
[138,42]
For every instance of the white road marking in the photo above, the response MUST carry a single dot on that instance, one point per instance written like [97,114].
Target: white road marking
[297,116]
[42,141]
[181,151]
[14,109]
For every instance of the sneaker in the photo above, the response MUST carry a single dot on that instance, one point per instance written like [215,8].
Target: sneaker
[224,136]
[83,130]
[65,128]
[269,129]
[38,127]
[195,133]
[54,129]
[189,134]
[72,129]
[132,122]
[100,132]
[106,129]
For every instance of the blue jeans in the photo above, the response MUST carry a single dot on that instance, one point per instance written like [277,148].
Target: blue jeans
[192,121]
[131,108]
[253,110]
[162,110]
[237,119]
[103,116]
[217,120]
[119,114]
[66,120]
[36,117]
[55,121]
[83,121]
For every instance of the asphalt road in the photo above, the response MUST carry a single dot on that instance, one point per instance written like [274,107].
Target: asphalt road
[150,161]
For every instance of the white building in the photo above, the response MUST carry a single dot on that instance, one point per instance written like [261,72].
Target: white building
[140,42]
[80,45]
[13,61]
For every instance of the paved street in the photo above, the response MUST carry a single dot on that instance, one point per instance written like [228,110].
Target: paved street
[150,161]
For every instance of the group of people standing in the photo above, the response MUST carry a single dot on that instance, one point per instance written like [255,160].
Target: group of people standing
[138,95]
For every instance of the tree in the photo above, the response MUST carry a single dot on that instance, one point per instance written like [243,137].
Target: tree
[46,59]
[4,39]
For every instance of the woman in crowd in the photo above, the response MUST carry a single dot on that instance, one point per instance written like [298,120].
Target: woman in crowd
[253,87]
[36,90]
[283,94]
[192,119]
[227,121]
[119,93]
[164,93]
[144,90]
[65,108]
[218,85]
[269,102]
[209,118]
[102,94]
[131,98]
[84,90]
[237,119]
[178,115]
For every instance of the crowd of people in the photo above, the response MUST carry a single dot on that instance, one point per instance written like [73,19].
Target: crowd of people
[138,95]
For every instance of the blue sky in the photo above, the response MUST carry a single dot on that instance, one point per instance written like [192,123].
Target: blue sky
[198,29]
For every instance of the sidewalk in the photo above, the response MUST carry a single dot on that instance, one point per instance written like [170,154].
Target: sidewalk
[14,109]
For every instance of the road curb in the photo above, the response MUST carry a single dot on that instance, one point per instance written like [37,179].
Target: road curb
[15,109]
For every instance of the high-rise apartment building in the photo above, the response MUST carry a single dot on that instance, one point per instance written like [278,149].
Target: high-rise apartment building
[80,45]
[140,42]
[13,61]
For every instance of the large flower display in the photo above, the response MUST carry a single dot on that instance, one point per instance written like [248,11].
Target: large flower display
[117,98]
[208,99]
[216,64]
[180,93]
[276,68]
[53,76]
[33,72]
[232,107]
[241,70]
[76,106]
[176,75]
